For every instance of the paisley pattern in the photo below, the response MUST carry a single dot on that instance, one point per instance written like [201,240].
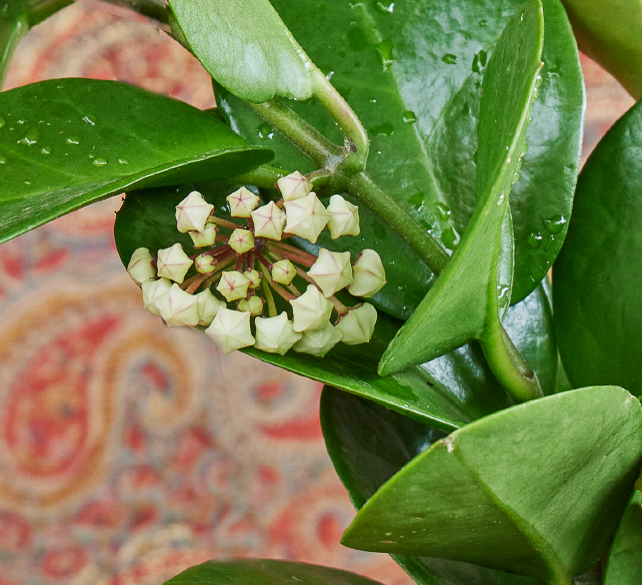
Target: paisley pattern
[129,450]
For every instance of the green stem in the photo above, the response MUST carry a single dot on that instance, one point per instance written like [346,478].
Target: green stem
[305,136]
[344,115]
[508,366]
[264,177]
[269,297]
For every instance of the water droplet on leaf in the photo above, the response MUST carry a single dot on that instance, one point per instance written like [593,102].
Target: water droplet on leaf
[100,162]
[535,239]
[449,58]
[265,131]
[443,210]
[385,128]
[409,117]
[555,224]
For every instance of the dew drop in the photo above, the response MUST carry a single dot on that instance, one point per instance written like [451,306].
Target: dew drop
[555,224]
[515,177]
[449,58]
[409,117]
[535,239]
[443,210]
[265,131]
[417,200]
[386,128]
[479,61]
[30,138]
[502,295]
[525,149]
[521,17]
[100,162]
[45,150]
[73,140]
[385,52]
[122,161]
[501,199]
[389,9]
[483,22]
[3,160]
[450,238]
[3,122]
[88,120]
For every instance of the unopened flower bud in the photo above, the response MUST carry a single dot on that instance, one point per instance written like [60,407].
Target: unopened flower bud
[283,272]
[140,266]
[173,263]
[254,305]
[306,217]
[344,218]
[152,289]
[242,202]
[178,307]
[233,285]
[204,238]
[208,306]
[204,263]
[230,330]
[294,186]
[275,334]
[358,324]
[332,271]
[254,276]
[368,275]
[192,213]
[268,221]
[241,241]
[311,310]
[318,342]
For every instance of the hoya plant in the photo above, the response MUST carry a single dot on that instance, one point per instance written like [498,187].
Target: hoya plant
[376,203]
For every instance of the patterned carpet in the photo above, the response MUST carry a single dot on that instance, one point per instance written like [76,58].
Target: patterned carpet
[129,451]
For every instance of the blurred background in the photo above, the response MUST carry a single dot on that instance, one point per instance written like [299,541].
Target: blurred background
[130,451]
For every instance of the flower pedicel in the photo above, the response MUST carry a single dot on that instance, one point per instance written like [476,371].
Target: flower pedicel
[250,264]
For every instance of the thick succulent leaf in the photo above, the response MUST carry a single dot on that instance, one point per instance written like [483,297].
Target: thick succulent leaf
[610,31]
[368,444]
[448,392]
[598,276]
[265,572]
[246,48]
[625,560]
[66,143]
[468,295]
[412,71]
[537,489]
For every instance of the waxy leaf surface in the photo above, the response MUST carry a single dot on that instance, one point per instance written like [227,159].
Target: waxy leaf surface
[368,444]
[412,72]
[66,143]
[537,489]
[265,572]
[246,47]
[624,566]
[465,301]
[598,276]
[448,392]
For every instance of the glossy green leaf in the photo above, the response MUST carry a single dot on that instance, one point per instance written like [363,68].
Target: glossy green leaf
[449,392]
[465,301]
[610,32]
[265,572]
[246,48]
[625,560]
[412,71]
[598,276]
[537,489]
[368,444]
[67,143]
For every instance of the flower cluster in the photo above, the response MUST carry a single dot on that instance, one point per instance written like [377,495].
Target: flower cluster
[249,264]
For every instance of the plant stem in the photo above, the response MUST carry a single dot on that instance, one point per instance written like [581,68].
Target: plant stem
[264,177]
[269,297]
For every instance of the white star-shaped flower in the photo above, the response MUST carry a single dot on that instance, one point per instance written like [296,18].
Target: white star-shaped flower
[152,289]
[368,275]
[283,272]
[332,271]
[344,218]
[192,213]
[253,305]
[268,221]
[178,307]
[208,306]
[173,263]
[204,263]
[275,334]
[358,324]
[311,310]
[318,342]
[241,241]
[204,238]
[230,330]
[233,285]
[141,267]
[254,276]
[294,186]
[242,202]
[306,217]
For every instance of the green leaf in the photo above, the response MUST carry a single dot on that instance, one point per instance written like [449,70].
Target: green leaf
[536,489]
[394,67]
[464,302]
[14,25]
[368,444]
[448,392]
[625,560]
[598,275]
[265,572]
[67,143]
[246,48]
[610,32]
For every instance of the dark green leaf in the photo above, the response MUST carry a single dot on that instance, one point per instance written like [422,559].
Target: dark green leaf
[66,143]
[246,48]
[449,392]
[625,561]
[265,572]
[465,301]
[393,63]
[368,444]
[598,276]
[536,489]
